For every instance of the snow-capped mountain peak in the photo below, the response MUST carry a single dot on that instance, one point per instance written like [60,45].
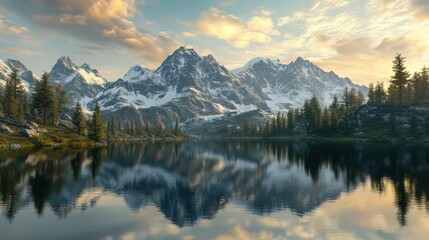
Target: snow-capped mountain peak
[181,58]
[28,77]
[255,61]
[16,64]
[83,83]
[185,51]
[86,67]
[137,73]
[65,61]
[187,86]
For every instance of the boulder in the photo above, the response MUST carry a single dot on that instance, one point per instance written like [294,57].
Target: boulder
[28,132]
[13,146]
[32,125]
[40,130]
[67,124]
[5,129]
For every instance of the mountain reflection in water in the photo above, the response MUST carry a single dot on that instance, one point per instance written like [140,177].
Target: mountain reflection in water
[191,181]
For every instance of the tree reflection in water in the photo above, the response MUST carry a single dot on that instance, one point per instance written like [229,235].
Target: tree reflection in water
[193,180]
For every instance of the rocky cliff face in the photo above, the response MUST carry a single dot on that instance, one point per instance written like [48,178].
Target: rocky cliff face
[82,83]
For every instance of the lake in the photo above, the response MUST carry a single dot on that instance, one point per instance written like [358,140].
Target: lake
[238,189]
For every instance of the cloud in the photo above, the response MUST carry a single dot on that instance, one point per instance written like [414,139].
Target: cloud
[73,19]
[235,30]
[284,20]
[186,35]
[227,3]
[20,51]
[348,36]
[262,24]
[105,22]
[421,8]
[7,28]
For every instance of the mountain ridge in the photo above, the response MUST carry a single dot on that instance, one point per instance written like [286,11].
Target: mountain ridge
[187,85]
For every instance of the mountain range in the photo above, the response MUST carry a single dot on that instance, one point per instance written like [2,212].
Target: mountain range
[187,86]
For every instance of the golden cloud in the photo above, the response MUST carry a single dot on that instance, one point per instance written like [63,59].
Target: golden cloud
[106,22]
[186,35]
[75,19]
[234,30]
[20,51]
[347,43]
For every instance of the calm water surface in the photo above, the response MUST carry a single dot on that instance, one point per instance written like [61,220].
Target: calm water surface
[217,190]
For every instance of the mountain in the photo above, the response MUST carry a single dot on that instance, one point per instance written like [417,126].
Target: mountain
[82,83]
[189,87]
[287,86]
[27,76]
[185,86]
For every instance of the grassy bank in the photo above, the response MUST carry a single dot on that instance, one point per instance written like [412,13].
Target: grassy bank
[61,136]
[55,136]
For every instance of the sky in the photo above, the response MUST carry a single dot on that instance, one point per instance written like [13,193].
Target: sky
[354,38]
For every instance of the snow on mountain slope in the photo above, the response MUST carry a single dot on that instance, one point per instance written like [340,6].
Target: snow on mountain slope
[287,86]
[28,77]
[189,86]
[81,82]
[255,61]
[186,85]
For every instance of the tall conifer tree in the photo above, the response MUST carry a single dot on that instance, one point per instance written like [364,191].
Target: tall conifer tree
[96,129]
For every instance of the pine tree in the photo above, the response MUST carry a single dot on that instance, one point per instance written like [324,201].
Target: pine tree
[60,97]
[79,119]
[43,100]
[335,113]
[326,120]
[424,74]
[267,127]
[159,125]
[96,128]
[273,126]
[420,86]
[14,90]
[177,130]
[148,127]
[291,120]
[111,127]
[409,92]
[24,106]
[371,93]
[278,123]
[400,77]
[380,93]
[312,114]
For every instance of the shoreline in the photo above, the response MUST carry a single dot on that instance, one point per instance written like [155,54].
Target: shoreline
[19,142]
[318,138]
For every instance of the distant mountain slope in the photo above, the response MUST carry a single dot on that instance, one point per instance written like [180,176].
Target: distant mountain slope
[287,86]
[27,76]
[82,83]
